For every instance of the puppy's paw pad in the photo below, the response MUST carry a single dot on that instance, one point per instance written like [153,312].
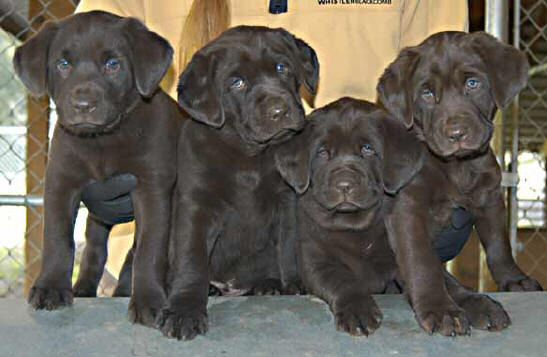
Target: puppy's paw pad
[485,313]
[358,319]
[50,298]
[182,325]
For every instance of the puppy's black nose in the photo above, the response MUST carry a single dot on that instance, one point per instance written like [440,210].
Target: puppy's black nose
[84,99]
[277,109]
[456,133]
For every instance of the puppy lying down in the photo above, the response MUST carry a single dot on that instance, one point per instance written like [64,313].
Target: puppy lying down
[349,155]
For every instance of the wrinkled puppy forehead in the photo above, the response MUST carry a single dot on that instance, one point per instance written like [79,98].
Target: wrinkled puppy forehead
[253,37]
[253,44]
[90,34]
[447,55]
[347,118]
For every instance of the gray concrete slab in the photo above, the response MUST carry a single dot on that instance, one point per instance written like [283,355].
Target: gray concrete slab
[262,326]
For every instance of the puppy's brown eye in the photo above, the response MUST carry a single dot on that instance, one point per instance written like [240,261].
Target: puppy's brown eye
[64,66]
[428,95]
[367,150]
[112,66]
[323,153]
[237,83]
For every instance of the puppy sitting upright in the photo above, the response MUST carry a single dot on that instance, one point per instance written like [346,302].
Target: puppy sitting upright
[235,215]
[340,165]
[446,91]
[102,71]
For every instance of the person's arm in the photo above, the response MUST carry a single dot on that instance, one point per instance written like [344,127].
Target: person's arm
[133,8]
[422,18]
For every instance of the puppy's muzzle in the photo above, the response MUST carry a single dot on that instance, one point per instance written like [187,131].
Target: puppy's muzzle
[85,98]
[276,109]
[456,130]
[345,182]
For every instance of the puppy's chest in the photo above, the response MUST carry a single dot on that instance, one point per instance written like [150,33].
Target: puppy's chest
[259,191]
[463,188]
[109,155]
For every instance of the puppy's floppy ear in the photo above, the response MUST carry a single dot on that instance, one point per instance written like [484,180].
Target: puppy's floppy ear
[506,67]
[31,60]
[309,66]
[394,91]
[197,93]
[293,161]
[152,55]
[306,62]
[403,155]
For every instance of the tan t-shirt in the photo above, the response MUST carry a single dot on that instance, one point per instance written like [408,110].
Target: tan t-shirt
[354,43]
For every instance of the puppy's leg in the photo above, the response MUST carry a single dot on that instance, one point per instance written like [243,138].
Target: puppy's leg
[123,288]
[261,272]
[484,312]
[493,237]
[287,247]
[185,314]
[422,272]
[152,203]
[53,288]
[349,297]
[93,258]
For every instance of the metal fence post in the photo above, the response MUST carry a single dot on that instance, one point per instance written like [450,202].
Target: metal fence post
[496,24]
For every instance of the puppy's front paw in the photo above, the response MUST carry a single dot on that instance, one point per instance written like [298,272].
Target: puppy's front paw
[485,313]
[358,316]
[145,307]
[49,298]
[84,289]
[526,284]
[182,324]
[448,320]
[294,288]
[268,287]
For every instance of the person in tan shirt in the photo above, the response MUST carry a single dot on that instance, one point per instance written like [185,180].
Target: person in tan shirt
[354,41]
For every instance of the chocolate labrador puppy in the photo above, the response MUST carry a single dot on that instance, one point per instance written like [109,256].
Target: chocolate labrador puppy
[446,91]
[235,215]
[350,151]
[343,165]
[113,119]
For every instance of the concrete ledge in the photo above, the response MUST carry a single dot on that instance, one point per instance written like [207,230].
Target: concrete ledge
[262,326]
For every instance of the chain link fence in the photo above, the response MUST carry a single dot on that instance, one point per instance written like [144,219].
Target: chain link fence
[25,124]
[531,243]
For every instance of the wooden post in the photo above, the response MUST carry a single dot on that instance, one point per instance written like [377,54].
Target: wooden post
[37,145]
[465,267]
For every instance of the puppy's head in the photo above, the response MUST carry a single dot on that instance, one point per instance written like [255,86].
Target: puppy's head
[349,154]
[449,88]
[94,66]
[250,78]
